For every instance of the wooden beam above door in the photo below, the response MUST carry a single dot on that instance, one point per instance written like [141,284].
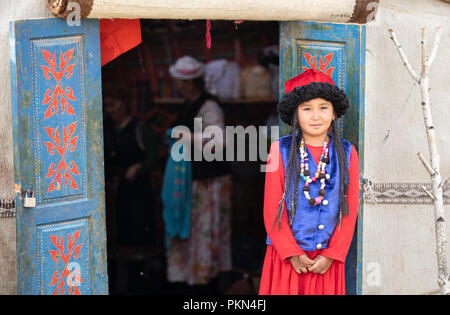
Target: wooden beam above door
[336,11]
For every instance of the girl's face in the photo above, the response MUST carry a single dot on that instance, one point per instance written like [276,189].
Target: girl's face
[315,117]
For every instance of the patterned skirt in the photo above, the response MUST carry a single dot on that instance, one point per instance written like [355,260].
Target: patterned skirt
[207,251]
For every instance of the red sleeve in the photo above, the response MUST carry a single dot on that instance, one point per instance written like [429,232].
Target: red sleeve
[341,238]
[282,238]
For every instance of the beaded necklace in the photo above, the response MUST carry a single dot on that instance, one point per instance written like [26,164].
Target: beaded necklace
[320,173]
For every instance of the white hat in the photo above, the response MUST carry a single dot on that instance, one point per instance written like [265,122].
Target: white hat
[186,68]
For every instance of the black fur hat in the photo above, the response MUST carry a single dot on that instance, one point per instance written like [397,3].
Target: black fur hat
[309,85]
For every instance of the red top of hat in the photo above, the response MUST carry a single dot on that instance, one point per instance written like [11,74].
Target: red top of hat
[307,77]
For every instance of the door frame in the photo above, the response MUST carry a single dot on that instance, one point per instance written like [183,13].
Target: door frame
[355,134]
[353,131]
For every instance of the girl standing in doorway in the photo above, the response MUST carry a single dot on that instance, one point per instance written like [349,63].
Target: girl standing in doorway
[314,175]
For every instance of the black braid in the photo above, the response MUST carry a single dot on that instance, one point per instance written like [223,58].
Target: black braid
[343,170]
[296,166]
[293,163]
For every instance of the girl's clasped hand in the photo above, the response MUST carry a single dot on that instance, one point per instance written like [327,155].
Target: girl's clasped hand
[303,264]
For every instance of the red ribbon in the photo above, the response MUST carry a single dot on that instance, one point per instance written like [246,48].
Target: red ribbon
[208,34]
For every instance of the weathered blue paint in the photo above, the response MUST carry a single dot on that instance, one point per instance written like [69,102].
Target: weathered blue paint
[340,50]
[65,232]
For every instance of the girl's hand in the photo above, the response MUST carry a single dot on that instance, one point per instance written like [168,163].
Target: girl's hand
[301,263]
[321,264]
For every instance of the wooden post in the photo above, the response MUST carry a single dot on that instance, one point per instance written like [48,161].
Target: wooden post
[433,169]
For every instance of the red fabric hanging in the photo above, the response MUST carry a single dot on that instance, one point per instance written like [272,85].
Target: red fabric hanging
[208,34]
[118,36]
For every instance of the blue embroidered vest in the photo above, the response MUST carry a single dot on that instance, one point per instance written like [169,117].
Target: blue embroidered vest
[313,226]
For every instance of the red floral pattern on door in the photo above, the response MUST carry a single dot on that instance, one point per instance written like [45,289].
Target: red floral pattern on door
[71,278]
[320,63]
[62,169]
[62,96]
[65,70]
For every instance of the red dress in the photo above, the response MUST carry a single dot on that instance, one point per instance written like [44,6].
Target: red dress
[278,275]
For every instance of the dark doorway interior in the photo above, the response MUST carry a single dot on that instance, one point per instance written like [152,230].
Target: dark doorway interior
[138,265]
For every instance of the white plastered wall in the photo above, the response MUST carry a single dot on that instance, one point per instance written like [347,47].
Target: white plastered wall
[398,240]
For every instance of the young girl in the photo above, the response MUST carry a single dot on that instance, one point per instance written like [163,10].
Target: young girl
[312,196]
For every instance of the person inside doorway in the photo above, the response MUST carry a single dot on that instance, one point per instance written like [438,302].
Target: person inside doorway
[130,154]
[206,252]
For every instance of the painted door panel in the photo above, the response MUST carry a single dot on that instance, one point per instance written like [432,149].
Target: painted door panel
[58,153]
[339,51]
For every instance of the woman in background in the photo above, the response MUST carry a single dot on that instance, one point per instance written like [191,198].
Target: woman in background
[131,151]
[207,251]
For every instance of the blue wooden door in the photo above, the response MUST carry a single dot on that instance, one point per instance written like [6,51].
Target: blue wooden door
[339,51]
[58,154]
